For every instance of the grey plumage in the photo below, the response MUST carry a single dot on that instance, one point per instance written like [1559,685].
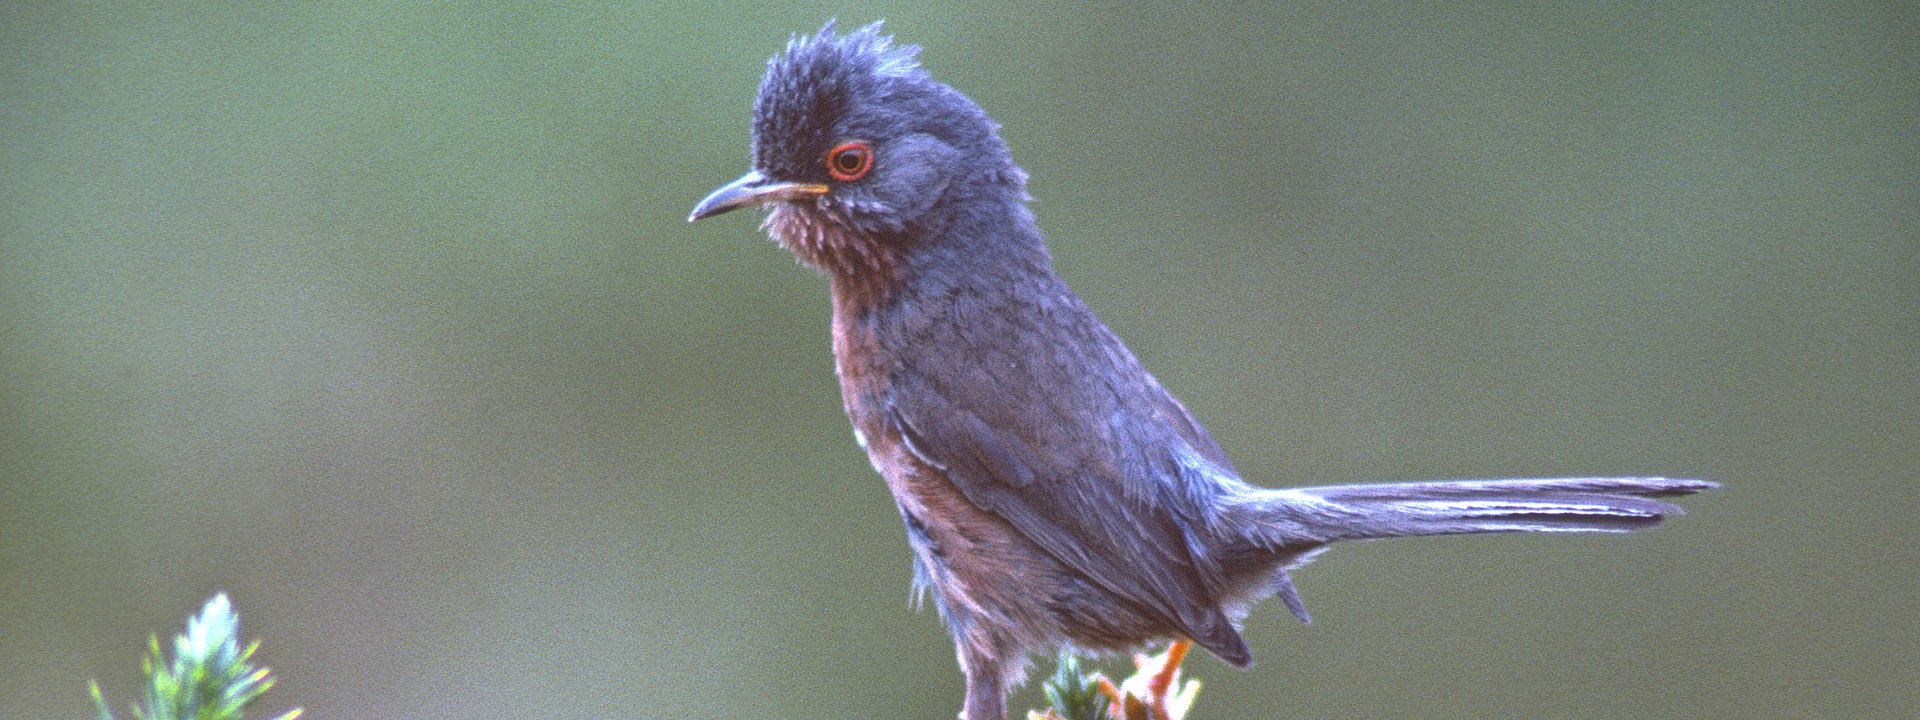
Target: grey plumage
[1053,492]
[1365,512]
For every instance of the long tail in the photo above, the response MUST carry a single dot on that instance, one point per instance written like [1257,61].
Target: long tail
[1288,527]
[1361,512]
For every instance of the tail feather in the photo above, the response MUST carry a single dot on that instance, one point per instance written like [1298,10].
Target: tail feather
[1283,529]
[1360,512]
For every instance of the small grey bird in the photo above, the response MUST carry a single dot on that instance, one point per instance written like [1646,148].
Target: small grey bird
[1055,495]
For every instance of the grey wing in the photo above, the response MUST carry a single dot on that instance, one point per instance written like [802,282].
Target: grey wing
[1071,489]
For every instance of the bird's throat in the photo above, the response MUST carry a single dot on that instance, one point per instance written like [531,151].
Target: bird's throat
[863,266]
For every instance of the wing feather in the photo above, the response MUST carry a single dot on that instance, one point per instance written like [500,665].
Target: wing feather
[1081,472]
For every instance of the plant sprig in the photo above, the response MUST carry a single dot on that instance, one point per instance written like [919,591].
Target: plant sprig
[1076,694]
[209,678]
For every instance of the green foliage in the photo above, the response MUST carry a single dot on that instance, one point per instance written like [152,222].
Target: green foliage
[209,678]
[1074,694]
[1153,691]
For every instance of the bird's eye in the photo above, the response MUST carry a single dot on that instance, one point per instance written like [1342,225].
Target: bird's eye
[849,161]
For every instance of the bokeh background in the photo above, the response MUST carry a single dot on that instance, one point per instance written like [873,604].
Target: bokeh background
[387,320]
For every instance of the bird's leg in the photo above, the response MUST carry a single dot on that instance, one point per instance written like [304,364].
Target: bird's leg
[1144,696]
[1123,705]
[1162,680]
[986,689]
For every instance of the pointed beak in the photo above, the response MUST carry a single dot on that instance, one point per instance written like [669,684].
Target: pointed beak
[753,189]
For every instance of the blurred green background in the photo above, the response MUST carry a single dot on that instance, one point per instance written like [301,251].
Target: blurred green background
[388,321]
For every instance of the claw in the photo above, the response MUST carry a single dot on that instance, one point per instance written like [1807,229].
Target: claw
[1126,705]
[1164,678]
[1155,692]
[1169,672]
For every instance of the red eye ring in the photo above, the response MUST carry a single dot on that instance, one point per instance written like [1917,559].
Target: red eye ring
[849,161]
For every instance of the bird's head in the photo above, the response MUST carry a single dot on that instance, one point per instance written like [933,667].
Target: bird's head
[860,154]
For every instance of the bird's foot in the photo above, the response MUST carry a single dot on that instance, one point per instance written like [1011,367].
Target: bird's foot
[1154,692]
